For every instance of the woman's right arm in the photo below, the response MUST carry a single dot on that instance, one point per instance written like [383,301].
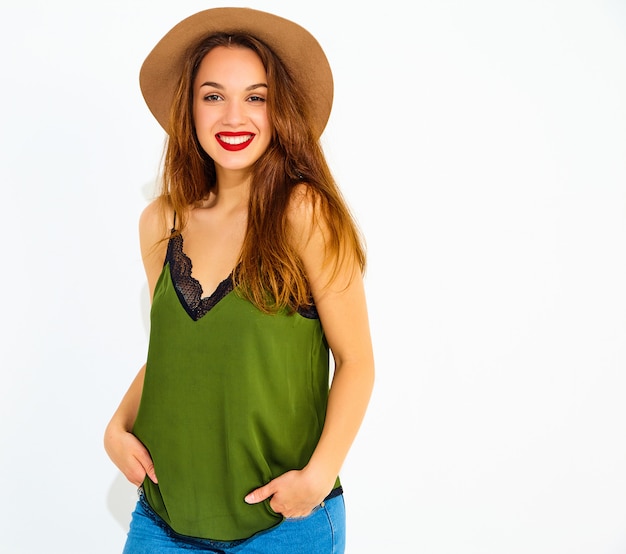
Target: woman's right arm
[125,450]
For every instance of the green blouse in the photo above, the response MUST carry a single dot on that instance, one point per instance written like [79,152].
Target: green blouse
[230,401]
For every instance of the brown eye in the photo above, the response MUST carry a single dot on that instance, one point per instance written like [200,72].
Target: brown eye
[212,97]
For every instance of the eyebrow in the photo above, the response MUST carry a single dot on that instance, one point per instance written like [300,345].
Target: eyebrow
[220,87]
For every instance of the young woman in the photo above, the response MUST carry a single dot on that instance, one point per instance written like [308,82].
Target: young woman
[254,264]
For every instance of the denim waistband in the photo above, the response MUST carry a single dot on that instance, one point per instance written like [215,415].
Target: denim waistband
[204,543]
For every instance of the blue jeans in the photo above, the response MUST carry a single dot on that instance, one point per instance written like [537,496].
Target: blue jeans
[321,532]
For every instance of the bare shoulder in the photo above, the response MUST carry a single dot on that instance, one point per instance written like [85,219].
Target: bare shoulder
[153,220]
[303,213]
[302,201]
[324,240]
[153,232]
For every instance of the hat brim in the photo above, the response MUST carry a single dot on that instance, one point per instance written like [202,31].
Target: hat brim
[295,46]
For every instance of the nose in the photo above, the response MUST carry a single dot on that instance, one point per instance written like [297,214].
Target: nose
[234,113]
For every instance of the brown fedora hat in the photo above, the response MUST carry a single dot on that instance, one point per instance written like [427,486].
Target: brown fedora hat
[294,45]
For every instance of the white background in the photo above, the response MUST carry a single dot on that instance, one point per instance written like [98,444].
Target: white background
[482,147]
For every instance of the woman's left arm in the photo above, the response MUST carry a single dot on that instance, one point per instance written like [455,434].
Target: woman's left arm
[340,301]
[343,312]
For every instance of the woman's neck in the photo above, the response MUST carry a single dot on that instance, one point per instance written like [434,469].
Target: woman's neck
[231,191]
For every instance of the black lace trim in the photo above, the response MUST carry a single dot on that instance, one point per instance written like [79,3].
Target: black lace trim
[310,312]
[189,289]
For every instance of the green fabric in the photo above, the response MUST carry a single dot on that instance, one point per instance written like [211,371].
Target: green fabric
[229,402]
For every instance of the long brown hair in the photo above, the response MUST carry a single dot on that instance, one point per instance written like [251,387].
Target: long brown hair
[269,272]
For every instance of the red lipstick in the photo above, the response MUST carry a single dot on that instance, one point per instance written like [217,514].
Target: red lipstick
[234,141]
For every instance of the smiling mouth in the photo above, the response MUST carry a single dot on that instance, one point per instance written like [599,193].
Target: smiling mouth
[234,141]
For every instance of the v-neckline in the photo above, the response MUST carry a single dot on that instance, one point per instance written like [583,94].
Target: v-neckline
[188,288]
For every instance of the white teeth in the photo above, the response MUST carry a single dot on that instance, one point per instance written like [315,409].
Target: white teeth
[235,140]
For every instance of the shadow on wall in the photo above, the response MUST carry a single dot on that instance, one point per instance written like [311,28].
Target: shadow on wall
[121,501]
[145,308]
[122,495]
[149,192]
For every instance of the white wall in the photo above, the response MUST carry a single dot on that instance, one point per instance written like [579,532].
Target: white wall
[481,145]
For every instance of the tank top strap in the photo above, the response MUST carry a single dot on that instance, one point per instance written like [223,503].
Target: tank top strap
[171,243]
